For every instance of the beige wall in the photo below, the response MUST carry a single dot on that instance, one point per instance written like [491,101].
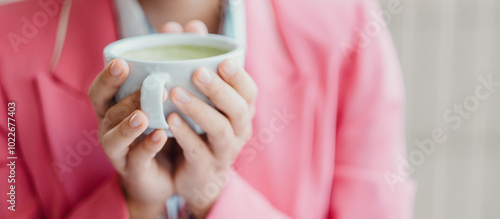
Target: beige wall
[444,46]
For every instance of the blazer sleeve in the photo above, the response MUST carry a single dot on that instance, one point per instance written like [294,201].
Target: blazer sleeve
[240,200]
[370,144]
[106,201]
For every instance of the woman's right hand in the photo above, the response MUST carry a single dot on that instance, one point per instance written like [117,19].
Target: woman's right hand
[146,183]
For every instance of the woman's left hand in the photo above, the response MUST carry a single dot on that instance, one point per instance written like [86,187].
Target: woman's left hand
[208,157]
[234,93]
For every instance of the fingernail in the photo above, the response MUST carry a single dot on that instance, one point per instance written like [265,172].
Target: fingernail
[116,68]
[156,136]
[196,26]
[181,95]
[204,76]
[165,95]
[135,121]
[200,27]
[173,27]
[230,67]
[176,121]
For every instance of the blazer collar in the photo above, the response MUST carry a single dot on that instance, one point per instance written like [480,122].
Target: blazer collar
[81,57]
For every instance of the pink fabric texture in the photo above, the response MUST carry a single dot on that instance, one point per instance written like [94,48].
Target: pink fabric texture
[328,126]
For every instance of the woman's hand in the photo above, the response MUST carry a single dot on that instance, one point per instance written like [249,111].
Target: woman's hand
[208,158]
[147,183]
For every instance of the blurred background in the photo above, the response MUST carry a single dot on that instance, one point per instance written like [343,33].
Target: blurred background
[445,48]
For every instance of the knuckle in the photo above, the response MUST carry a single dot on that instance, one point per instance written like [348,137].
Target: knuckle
[112,154]
[136,100]
[107,121]
[119,111]
[197,109]
[252,110]
[149,147]
[224,132]
[231,151]
[218,90]
[106,146]
[92,97]
[247,134]
[103,80]
[123,130]
[254,93]
[100,134]
[132,101]
[195,151]
[240,79]
[252,89]
[133,160]
[242,113]
[91,94]
[104,141]
[105,83]
[102,131]
[233,154]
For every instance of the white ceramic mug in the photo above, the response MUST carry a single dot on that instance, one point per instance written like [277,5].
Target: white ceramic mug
[152,76]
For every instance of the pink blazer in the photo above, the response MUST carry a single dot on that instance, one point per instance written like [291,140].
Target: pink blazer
[327,133]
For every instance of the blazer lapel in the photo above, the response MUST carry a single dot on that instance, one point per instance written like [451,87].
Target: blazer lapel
[71,131]
[81,58]
[67,114]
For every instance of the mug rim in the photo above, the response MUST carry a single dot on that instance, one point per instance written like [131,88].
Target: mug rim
[109,50]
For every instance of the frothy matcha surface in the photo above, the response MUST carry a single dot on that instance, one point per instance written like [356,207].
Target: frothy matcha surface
[173,53]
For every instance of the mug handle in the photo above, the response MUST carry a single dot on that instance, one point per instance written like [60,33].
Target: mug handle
[151,99]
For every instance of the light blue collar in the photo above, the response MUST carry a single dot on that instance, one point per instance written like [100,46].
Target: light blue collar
[133,22]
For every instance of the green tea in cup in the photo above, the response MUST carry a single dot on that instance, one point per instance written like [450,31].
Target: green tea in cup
[173,53]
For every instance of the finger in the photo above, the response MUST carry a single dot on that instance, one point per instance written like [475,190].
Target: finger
[106,84]
[216,125]
[239,79]
[122,109]
[142,154]
[194,148]
[225,98]
[172,27]
[116,142]
[196,26]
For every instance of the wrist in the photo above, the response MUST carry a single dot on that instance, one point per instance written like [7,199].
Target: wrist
[200,204]
[201,212]
[201,199]
[143,210]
